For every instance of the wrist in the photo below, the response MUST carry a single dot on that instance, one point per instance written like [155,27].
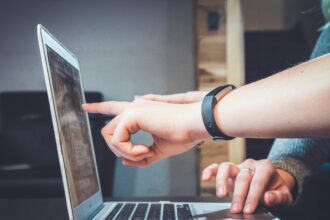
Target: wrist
[221,117]
[196,128]
[209,111]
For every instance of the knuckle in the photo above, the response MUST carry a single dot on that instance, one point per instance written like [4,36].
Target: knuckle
[268,166]
[103,131]
[249,160]
[113,142]
[210,167]
[225,165]
[214,164]
[268,163]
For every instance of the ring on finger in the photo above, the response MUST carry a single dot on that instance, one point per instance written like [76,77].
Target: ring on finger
[247,169]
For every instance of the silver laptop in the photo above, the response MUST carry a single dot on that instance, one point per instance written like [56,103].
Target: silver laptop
[76,151]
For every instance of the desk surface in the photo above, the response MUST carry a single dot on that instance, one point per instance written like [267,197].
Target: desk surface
[55,208]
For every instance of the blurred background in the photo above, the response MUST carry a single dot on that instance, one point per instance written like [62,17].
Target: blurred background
[129,48]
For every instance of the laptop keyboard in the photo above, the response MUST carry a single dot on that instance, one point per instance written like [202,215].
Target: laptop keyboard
[169,212]
[114,212]
[140,212]
[126,212]
[150,211]
[154,212]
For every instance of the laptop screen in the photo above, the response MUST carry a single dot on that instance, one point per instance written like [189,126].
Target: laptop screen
[73,129]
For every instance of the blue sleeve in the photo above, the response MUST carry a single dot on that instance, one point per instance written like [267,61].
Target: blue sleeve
[300,157]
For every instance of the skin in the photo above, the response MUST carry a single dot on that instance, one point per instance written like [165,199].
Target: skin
[267,184]
[180,134]
[293,103]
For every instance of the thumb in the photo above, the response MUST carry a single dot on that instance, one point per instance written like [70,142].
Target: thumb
[107,108]
[277,198]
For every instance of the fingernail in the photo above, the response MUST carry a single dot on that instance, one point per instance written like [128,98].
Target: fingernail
[137,97]
[271,198]
[205,175]
[248,208]
[235,207]
[221,191]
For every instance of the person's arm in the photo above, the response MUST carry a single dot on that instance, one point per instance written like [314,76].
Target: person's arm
[293,103]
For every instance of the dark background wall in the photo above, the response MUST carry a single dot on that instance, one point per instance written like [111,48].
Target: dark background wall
[125,48]
[130,47]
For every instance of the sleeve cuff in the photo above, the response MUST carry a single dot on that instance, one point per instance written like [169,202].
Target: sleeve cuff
[297,169]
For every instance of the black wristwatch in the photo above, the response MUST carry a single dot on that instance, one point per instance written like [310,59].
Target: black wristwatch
[209,101]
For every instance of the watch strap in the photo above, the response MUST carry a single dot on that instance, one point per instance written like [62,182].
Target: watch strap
[208,104]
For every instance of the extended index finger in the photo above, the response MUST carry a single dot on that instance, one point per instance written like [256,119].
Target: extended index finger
[107,108]
[179,98]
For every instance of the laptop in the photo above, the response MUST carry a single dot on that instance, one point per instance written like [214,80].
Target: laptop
[76,151]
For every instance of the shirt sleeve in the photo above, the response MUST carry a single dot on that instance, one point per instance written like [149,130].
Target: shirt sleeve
[300,157]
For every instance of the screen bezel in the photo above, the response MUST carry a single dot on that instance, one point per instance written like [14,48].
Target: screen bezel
[90,206]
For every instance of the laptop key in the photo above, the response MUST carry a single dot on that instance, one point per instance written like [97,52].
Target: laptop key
[114,211]
[184,212]
[154,212]
[126,211]
[169,211]
[140,211]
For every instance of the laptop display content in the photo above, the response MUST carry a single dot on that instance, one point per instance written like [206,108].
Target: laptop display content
[73,128]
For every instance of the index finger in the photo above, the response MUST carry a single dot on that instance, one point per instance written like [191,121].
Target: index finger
[209,171]
[179,98]
[226,170]
[107,108]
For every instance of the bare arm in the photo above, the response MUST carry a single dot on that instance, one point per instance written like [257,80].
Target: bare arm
[293,103]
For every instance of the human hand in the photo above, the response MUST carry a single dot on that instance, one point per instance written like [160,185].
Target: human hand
[175,128]
[250,182]
[179,98]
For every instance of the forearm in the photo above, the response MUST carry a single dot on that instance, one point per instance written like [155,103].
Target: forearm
[293,103]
